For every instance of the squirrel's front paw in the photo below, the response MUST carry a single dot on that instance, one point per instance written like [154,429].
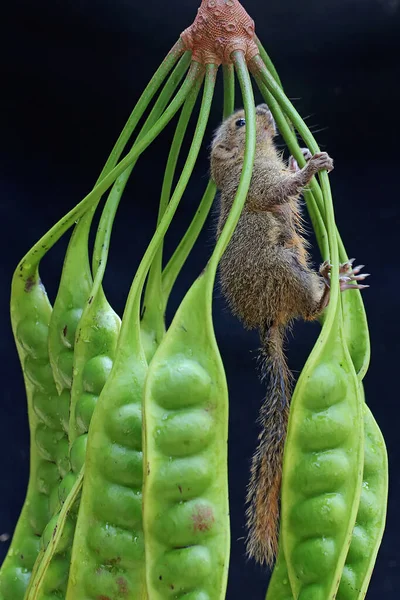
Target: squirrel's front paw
[320,161]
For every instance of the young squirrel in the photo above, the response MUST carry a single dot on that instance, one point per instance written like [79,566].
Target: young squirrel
[267,281]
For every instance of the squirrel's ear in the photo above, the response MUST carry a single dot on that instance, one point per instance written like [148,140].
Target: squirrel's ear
[221,152]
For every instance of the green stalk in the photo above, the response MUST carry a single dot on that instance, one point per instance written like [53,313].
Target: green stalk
[229,89]
[180,255]
[177,260]
[154,84]
[284,102]
[248,161]
[132,156]
[352,305]
[268,62]
[129,340]
[119,186]
[154,280]
[316,190]
[153,313]
[294,148]
[288,108]
[28,265]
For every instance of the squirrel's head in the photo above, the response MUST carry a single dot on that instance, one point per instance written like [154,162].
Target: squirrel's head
[229,140]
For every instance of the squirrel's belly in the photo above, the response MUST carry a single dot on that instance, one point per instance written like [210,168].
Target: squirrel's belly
[255,281]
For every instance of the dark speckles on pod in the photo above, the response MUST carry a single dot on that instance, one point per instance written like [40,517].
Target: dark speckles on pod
[122,586]
[193,565]
[186,524]
[29,284]
[203,518]
[70,322]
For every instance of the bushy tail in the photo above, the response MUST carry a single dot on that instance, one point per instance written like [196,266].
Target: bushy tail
[266,469]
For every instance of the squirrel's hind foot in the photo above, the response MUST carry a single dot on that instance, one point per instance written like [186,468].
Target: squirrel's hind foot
[348,275]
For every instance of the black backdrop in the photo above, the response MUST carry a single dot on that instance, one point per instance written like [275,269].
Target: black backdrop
[72,73]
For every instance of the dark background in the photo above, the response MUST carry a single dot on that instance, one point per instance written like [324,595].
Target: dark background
[72,73]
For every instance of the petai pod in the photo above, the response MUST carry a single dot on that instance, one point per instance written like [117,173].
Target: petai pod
[48,415]
[322,470]
[185,508]
[94,351]
[355,330]
[370,521]
[368,529]
[185,491]
[47,411]
[73,293]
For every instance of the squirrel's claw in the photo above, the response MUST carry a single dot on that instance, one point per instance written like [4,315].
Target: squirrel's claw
[354,286]
[294,165]
[348,276]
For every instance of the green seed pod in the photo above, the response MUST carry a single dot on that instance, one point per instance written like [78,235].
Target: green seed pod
[95,350]
[370,521]
[368,530]
[30,315]
[111,499]
[355,331]
[303,458]
[95,341]
[98,332]
[73,293]
[186,418]
[322,470]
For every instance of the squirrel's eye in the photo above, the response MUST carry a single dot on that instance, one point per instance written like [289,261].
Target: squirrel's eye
[240,122]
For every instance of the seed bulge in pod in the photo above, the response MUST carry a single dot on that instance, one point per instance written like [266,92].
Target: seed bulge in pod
[326,386]
[180,383]
[95,373]
[185,432]
[33,336]
[182,569]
